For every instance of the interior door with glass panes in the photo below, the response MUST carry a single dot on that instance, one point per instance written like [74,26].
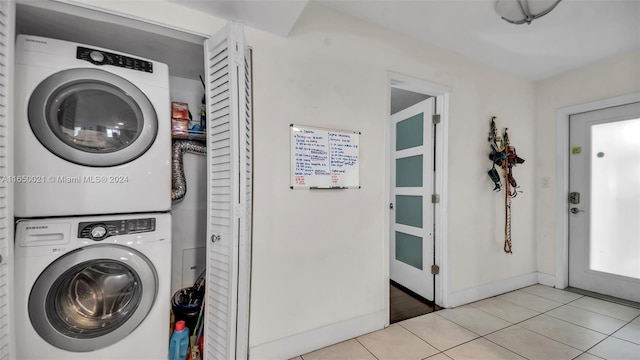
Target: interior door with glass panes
[412,172]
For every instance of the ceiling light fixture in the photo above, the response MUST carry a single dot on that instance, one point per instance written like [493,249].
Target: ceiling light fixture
[524,11]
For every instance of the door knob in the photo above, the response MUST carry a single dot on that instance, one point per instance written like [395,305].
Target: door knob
[576,210]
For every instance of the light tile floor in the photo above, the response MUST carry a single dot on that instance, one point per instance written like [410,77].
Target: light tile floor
[537,322]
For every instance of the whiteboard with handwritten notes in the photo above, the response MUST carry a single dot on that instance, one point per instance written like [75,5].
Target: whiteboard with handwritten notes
[324,158]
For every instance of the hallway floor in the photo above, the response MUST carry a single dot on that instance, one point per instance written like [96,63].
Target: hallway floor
[537,322]
[403,306]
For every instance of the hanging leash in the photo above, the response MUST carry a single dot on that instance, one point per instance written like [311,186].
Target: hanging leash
[507,195]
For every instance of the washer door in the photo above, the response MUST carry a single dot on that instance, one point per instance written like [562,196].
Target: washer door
[92,297]
[92,117]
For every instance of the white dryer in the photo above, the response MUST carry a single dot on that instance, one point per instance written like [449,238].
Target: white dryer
[93,287]
[92,131]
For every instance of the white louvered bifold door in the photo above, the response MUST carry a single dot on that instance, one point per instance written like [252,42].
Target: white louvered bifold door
[7,26]
[229,143]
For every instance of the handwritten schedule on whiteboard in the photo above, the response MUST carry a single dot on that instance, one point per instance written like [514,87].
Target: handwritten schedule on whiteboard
[324,159]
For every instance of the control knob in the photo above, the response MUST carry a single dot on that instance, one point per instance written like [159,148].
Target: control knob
[98,231]
[97,57]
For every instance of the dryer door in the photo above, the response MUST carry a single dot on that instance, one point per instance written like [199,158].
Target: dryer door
[92,297]
[92,117]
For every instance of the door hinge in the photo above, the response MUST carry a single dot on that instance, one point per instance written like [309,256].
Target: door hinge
[435,118]
[435,198]
[435,269]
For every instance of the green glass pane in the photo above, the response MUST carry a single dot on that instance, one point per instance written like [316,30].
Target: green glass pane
[409,249]
[409,171]
[409,210]
[409,132]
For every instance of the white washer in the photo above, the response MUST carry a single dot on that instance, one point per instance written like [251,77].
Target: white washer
[92,131]
[93,287]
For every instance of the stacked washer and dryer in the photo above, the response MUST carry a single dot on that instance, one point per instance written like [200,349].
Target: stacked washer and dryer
[92,198]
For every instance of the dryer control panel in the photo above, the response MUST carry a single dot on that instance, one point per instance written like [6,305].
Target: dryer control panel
[99,57]
[101,230]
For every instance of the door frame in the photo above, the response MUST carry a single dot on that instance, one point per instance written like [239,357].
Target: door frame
[441,93]
[562,176]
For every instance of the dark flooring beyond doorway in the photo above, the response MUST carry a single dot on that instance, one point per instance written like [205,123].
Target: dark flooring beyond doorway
[406,305]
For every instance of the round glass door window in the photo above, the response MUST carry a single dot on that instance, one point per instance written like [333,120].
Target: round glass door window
[92,297]
[92,117]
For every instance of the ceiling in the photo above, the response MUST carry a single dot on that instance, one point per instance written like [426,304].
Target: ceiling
[576,33]
[274,16]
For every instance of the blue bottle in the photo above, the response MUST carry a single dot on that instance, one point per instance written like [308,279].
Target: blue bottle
[179,343]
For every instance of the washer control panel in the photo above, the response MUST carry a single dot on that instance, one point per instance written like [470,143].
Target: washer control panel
[99,57]
[101,230]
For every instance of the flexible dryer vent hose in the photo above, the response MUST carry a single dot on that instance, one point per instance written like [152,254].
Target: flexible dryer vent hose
[178,181]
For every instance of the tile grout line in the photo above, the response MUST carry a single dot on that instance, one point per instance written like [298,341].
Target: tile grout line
[483,336]
[366,348]
[495,343]
[584,352]
[560,342]
[425,341]
[440,353]
[535,295]
[510,324]
[539,313]
[466,342]
[545,313]
[607,336]
[595,312]
[544,297]
[584,327]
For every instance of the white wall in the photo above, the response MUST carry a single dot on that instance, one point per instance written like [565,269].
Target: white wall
[614,77]
[318,255]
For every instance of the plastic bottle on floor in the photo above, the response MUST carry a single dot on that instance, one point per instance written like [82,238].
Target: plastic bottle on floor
[179,343]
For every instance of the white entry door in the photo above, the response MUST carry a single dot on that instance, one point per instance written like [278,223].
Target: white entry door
[604,203]
[412,173]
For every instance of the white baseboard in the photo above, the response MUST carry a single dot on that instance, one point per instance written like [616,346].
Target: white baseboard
[302,343]
[546,279]
[467,296]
